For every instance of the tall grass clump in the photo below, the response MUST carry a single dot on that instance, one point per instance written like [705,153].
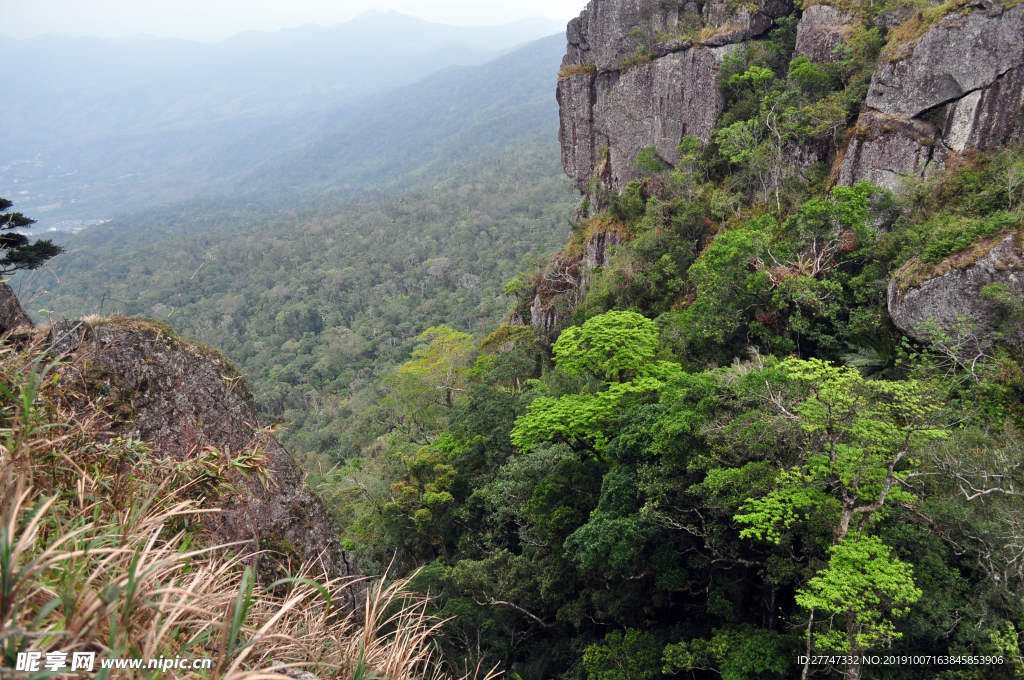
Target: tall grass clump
[102,550]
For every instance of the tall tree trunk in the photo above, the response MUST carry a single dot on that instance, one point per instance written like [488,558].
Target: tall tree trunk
[852,629]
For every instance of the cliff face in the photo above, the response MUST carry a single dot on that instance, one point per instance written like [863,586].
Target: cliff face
[644,73]
[957,87]
[965,74]
[611,111]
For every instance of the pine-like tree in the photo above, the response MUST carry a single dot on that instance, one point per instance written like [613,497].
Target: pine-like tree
[16,252]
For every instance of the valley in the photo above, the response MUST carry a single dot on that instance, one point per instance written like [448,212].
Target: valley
[688,343]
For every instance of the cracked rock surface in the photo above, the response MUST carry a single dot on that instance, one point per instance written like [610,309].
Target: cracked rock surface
[959,55]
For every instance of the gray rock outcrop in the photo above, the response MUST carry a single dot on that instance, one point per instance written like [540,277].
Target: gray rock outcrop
[967,72]
[734,26]
[609,114]
[886,148]
[611,117]
[956,57]
[179,397]
[986,119]
[12,317]
[821,30]
[951,299]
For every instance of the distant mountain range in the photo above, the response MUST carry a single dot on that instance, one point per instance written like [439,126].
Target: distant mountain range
[94,127]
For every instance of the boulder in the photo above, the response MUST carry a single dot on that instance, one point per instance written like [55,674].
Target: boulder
[822,28]
[886,148]
[180,397]
[970,65]
[735,26]
[13,318]
[949,298]
[962,53]
[894,17]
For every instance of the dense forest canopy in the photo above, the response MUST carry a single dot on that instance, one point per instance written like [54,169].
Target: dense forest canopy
[722,459]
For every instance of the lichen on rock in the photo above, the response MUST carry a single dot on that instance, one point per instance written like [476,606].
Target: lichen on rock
[884,149]
[949,303]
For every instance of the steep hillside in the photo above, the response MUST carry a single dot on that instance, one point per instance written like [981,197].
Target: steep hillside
[760,417]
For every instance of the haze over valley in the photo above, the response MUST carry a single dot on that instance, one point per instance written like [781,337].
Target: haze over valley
[94,128]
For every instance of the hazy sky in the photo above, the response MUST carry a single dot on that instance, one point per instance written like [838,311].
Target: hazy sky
[213,20]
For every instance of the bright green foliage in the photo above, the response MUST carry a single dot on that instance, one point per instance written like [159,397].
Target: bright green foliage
[425,388]
[861,439]
[635,656]
[742,653]
[613,346]
[582,417]
[869,586]
[807,74]
[617,347]
[649,160]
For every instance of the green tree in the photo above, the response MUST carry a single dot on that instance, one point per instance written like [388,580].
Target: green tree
[427,387]
[617,348]
[423,496]
[861,439]
[869,587]
[635,656]
[17,252]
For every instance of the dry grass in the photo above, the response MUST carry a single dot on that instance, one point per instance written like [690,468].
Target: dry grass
[573,70]
[101,551]
[925,16]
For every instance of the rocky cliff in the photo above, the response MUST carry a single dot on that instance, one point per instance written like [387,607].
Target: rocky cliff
[959,87]
[643,73]
[181,398]
[945,303]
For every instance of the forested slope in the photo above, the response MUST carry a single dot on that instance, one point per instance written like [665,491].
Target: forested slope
[315,308]
[759,417]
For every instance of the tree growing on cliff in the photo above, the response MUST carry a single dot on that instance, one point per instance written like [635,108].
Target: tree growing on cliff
[16,252]
[861,439]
